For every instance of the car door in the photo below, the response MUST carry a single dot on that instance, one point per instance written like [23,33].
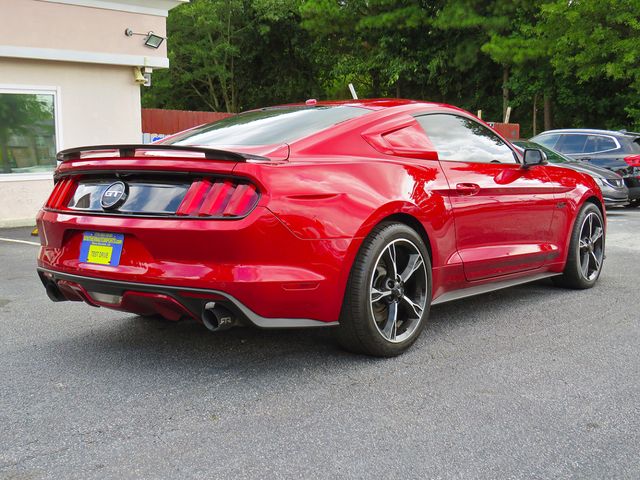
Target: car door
[502,211]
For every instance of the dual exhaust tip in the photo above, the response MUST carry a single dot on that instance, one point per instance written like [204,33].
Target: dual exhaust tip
[217,318]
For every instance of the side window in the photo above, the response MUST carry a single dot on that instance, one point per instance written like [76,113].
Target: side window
[465,140]
[570,143]
[548,141]
[599,143]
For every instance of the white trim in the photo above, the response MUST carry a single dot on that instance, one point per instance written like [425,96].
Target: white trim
[149,7]
[26,177]
[14,240]
[57,118]
[83,56]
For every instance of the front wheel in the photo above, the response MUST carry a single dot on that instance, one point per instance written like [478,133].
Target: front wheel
[586,250]
[388,294]
[633,203]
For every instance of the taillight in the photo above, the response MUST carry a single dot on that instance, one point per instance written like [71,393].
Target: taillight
[218,198]
[633,160]
[60,195]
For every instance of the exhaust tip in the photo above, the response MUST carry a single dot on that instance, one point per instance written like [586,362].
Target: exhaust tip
[54,293]
[217,318]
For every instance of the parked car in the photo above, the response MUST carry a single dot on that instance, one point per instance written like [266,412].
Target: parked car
[614,191]
[618,151]
[358,214]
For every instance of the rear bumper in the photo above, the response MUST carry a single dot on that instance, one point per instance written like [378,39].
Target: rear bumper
[172,303]
[256,265]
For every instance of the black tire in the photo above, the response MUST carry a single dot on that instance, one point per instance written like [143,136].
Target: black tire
[574,275]
[633,203]
[364,321]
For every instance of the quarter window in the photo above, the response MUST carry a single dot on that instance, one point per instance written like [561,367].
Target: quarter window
[463,139]
[599,143]
[27,132]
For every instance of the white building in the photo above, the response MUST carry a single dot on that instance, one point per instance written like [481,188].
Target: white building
[70,73]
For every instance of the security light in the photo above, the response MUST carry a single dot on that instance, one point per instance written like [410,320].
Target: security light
[152,40]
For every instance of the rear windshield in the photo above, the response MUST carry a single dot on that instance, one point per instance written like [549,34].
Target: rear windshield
[268,126]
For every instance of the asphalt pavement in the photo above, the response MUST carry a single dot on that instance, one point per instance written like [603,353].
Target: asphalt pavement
[528,382]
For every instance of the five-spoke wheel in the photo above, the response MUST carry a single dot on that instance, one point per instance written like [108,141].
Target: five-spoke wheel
[591,246]
[389,292]
[398,290]
[586,250]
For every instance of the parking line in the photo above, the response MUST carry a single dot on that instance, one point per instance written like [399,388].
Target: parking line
[12,240]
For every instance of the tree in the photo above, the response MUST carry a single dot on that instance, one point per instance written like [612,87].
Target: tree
[597,40]
[234,54]
[18,114]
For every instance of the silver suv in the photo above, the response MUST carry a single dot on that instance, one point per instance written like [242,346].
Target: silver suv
[618,151]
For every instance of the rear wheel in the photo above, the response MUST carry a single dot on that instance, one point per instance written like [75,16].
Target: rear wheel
[586,250]
[389,293]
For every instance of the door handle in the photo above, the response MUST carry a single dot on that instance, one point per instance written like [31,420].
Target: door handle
[467,188]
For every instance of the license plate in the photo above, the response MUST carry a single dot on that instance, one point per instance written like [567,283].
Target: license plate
[101,248]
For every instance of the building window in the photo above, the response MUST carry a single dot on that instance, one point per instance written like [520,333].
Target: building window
[27,131]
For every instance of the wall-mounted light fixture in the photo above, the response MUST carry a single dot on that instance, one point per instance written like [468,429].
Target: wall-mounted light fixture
[152,40]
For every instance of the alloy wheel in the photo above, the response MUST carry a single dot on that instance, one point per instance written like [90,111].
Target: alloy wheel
[398,290]
[591,246]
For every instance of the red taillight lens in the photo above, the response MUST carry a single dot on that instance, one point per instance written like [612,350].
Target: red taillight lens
[633,160]
[218,198]
[60,195]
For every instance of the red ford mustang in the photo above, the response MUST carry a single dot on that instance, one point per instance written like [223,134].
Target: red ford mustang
[358,214]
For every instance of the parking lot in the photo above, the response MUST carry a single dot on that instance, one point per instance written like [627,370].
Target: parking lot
[529,382]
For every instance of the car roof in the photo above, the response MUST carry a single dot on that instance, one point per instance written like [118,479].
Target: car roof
[370,103]
[587,131]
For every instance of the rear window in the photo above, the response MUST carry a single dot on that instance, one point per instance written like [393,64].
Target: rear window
[268,126]
[599,143]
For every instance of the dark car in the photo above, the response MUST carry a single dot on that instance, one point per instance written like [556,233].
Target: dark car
[614,191]
[618,151]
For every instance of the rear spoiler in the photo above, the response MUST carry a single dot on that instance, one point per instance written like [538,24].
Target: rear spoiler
[130,151]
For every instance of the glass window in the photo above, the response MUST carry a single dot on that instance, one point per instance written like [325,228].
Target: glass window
[548,141]
[27,132]
[552,155]
[465,140]
[570,143]
[599,143]
[268,126]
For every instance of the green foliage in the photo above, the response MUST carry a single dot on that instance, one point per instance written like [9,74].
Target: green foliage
[583,56]
[18,115]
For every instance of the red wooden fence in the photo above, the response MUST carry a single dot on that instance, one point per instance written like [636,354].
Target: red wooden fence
[510,131]
[166,122]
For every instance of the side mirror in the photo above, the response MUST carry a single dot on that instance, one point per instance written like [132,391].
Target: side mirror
[534,156]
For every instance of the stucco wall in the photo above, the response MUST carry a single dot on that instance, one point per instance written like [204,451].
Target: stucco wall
[70,27]
[98,104]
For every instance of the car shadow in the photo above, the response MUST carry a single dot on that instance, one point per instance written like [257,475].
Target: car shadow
[155,345]
[621,211]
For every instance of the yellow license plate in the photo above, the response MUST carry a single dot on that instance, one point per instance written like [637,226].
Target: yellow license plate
[100,254]
[101,248]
